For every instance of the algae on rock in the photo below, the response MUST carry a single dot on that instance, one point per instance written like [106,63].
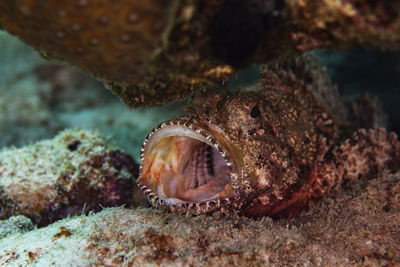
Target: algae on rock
[77,171]
[359,227]
[15,224]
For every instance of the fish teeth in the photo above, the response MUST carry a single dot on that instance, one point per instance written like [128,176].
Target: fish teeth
[147,191]
[188,207]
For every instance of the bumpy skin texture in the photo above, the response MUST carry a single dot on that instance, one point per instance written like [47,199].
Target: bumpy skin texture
[366,151]
[282,134]
[284,141]
[151,52]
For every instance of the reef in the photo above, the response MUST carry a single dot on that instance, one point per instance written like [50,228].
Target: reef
[75,172]
[286,146]
[359,227]
[152,52]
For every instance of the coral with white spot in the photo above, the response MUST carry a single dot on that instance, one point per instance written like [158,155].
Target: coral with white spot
[151,52]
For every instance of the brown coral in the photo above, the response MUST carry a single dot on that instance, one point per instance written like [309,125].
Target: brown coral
[151,52]
[114,40]
[122,43]
[344,23]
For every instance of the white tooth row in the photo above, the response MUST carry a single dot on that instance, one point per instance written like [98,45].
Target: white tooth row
[155,200]
[190,126]
[197,208]
[157,128]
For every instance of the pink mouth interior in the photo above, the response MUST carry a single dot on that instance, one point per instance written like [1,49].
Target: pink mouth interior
[191,170]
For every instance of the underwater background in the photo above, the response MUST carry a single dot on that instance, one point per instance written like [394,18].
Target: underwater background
[39,98]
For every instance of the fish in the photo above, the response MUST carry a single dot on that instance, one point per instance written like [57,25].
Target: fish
[273,151]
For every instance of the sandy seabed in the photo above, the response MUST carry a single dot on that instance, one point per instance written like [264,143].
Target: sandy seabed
[357,227]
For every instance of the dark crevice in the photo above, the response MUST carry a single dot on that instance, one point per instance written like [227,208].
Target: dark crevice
[241,26]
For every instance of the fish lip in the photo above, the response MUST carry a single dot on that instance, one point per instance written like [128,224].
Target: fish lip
[230,203]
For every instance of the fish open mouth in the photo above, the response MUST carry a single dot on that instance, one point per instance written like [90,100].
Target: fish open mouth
[181,164]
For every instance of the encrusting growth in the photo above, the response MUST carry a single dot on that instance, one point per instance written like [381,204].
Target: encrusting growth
[76,172]
[15,224]
[152,52]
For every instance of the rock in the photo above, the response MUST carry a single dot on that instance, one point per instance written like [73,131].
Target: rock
[75,172]
[15,224]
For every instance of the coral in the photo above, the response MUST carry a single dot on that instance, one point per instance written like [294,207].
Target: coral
[108,34]
[122,43]
[344,23]
[77,171]
[358,227]
[15,224]
[168,50]
[151,52]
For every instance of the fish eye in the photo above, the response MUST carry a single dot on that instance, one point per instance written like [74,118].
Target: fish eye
[255,112]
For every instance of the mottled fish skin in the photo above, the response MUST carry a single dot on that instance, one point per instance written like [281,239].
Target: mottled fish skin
[283,142]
